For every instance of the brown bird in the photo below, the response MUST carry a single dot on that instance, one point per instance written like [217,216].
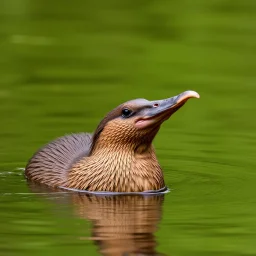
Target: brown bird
[117,157]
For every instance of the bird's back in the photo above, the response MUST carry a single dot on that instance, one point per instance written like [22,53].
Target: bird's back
[51,163]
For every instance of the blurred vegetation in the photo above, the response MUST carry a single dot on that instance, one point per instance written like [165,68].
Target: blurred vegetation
[63,65]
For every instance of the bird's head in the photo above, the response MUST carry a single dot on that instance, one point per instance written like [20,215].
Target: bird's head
[135,123]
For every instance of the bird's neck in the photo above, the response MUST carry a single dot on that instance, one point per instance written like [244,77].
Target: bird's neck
[118,168]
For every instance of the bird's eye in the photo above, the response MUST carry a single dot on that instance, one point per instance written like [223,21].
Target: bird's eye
[126,112]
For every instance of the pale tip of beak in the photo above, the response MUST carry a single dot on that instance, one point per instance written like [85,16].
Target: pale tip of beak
[192,94]
[186,95]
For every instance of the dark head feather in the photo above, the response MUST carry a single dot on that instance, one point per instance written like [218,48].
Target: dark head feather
[136,105]
[110,116]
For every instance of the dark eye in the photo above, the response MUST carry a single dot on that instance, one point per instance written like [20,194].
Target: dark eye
[126,112]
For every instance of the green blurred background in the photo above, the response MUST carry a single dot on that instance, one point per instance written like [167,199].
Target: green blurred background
[64,65]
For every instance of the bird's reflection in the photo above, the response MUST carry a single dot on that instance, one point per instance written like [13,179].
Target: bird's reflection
[122,225]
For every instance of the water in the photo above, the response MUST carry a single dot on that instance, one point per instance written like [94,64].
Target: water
[64,65]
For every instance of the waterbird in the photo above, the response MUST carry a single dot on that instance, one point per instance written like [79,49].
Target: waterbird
[117,157]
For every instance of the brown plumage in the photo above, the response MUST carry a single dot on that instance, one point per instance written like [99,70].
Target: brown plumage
[118,157]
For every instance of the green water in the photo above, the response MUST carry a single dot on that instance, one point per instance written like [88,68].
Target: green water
[64,65]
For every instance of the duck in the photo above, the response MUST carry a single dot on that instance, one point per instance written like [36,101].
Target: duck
[117,157]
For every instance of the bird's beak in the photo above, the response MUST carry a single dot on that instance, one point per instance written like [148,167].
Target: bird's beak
[161,110]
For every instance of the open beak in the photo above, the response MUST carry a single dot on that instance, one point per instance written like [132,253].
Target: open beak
[161,110]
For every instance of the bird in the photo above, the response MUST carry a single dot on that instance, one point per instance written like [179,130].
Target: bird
[117,157]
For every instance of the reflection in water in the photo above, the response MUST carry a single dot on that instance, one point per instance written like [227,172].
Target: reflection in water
[122,225]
